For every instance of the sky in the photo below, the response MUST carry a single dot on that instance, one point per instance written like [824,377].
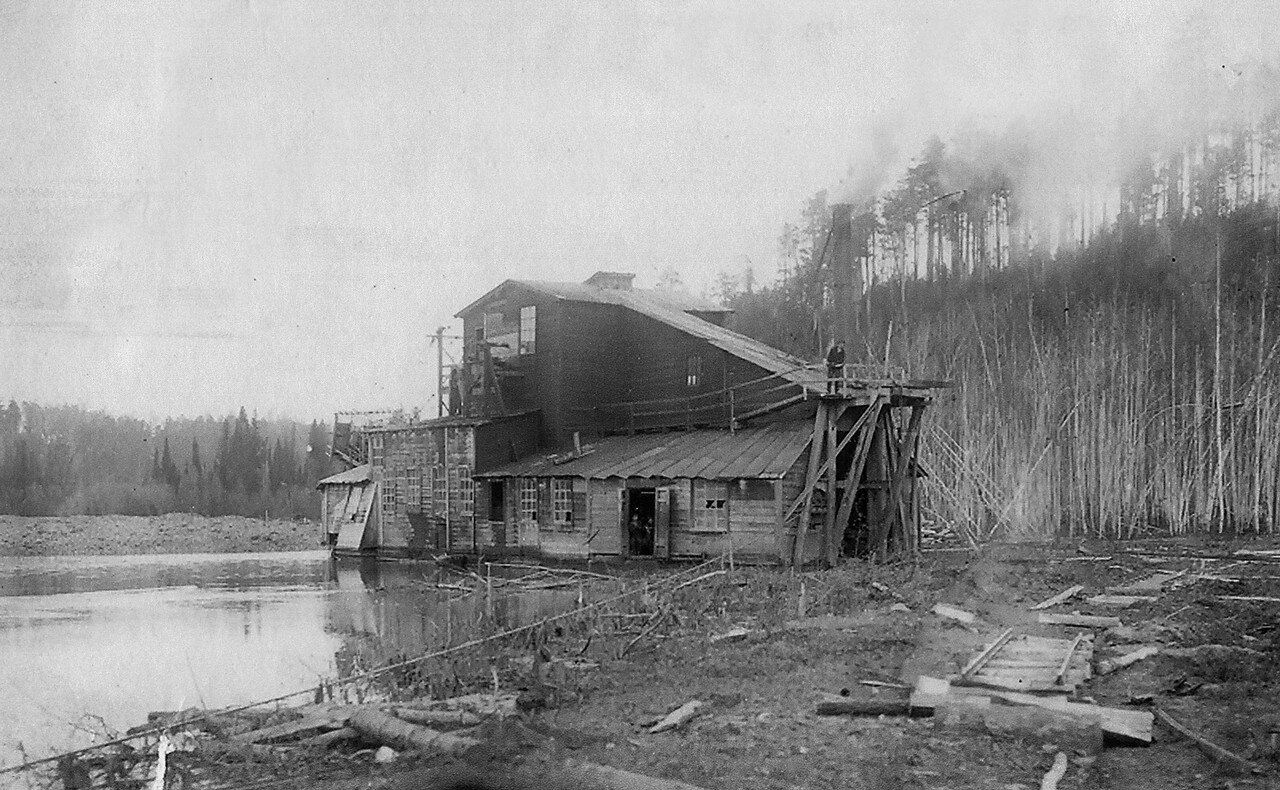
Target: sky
[275,203]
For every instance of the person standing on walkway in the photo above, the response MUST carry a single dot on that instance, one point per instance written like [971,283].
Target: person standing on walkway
[835,367]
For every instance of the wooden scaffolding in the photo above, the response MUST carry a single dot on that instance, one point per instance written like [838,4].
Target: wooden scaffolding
[861,494]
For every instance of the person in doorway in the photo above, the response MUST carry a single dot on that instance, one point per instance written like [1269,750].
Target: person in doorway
[835,366]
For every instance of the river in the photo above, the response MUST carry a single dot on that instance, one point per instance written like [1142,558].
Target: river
[90,645]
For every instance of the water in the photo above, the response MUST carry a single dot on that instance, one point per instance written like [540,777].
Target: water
[90,645]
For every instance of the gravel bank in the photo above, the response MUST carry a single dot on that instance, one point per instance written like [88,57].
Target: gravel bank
[172,533]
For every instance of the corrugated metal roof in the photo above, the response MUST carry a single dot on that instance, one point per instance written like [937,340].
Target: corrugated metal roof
[582,292]
[359,474]
[764,452]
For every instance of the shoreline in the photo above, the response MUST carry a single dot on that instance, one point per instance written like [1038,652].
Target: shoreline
[171,533]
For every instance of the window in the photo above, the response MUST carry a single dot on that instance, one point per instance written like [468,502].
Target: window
[562,504]
[693,372]
[413,489]
[427,488]
[528,329]
[466,491]
[375,449]
[711,506]
[439,489]
[388,500]
[402,486]
[529,499]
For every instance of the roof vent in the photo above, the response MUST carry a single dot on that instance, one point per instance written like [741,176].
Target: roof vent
[617,281]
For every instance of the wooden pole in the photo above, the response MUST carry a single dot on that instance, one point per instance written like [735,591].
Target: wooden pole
[815,458]
[829,543]
[866,425]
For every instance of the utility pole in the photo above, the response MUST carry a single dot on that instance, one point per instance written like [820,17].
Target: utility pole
[441,385]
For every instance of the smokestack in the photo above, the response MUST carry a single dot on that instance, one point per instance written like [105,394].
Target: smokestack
[846,276]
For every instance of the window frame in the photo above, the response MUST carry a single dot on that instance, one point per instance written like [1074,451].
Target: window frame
[693,371]
[528,502]
[527,336]
[562,504]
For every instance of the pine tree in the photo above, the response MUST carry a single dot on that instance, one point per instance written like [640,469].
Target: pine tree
[168,469]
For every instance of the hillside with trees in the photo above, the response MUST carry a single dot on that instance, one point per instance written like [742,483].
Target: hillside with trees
[67,460]
[1111,335]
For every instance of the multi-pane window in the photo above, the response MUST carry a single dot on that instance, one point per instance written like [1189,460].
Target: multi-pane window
[428,488]
[528,329]
[439,488]
[413,489]
[375,449]
[562,504]
[467,491]
[529,499]
[402,486]
[693,371]
[711,506]
[388,499]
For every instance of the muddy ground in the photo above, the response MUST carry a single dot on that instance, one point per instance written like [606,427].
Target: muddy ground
[760,730]
[172,533]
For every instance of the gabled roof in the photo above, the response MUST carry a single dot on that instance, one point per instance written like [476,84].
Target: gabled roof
[582,292]
[767,452]
[791,368]
[354,476]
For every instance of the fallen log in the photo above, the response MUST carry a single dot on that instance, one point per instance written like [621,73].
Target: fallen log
[1055,773]
[863,706]
[1065,595]
[326,739]
[677,717]
[1249,598]
[1205,745]
[1079,620]
[1036,725]
[313,722]
[1119,601]
[1113,664]
[438,718]
[403,736]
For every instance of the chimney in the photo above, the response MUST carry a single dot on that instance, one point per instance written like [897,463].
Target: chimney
[614,281]
[846,276]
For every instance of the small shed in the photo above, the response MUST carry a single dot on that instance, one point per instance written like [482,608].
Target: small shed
[347,511]
[674,494]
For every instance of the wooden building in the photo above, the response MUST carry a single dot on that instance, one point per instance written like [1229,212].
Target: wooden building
[347,510]
[597,419]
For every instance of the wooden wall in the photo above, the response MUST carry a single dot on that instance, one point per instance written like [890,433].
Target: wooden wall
[413,508]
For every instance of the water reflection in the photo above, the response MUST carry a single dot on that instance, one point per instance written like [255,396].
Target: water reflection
[91,644]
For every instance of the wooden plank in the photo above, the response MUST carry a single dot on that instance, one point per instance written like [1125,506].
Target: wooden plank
[985,655]
[1127,726]
[1065,595]
[1207,746]
[1060,678]
[954,613]
[1119,601]
[1079,620]
[831,546]
[905,452]
[1133,657]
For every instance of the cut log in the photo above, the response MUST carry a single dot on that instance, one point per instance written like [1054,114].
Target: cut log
[1205,745]
[326,739]
[438,718]
[733,635]
[1123,727]
[677,717]
[1111,665]
[1079,620]
[1065,595]
[1030,724]
[381,728]
[1055,773]
[316,720]
[953,613]
[864,706]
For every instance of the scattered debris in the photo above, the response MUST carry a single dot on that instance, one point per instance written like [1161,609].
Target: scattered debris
[1055,774]
[1079,620]
[1065,595]
[1111,665]
[1207,746]
[677,718]
[953,613]
[1030,663]
[1041,726]
[733,635]
[1120,601]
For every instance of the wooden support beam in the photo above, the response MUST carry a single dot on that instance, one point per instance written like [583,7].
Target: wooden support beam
[831,546]
[822,470]
[877,500]
[865,428]
[815,458]
[894,511]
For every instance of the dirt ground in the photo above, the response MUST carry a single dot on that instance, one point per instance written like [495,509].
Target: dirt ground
[759,729]
[172,533]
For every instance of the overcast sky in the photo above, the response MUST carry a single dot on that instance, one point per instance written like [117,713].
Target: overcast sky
[273,203]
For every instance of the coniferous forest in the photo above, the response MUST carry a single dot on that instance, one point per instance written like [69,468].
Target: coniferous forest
[68,460]
[1114,350]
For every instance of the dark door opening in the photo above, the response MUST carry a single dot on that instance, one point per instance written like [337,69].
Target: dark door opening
[641,508]
[497,500]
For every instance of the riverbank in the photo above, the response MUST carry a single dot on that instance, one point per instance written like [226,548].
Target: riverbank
[172,533]
[760,649]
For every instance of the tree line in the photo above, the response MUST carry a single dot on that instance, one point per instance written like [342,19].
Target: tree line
[69,460]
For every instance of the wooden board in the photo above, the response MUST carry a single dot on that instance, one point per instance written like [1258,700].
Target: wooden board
[1033,663]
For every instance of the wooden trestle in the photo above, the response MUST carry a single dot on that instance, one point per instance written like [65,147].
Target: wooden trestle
[859,445]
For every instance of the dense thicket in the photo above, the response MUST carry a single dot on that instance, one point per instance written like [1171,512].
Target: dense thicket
[61,460]
[1113,375]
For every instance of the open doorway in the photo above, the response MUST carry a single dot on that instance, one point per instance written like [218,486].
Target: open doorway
[641,508]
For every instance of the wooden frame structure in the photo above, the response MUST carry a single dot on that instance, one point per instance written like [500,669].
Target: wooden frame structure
[860,448]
